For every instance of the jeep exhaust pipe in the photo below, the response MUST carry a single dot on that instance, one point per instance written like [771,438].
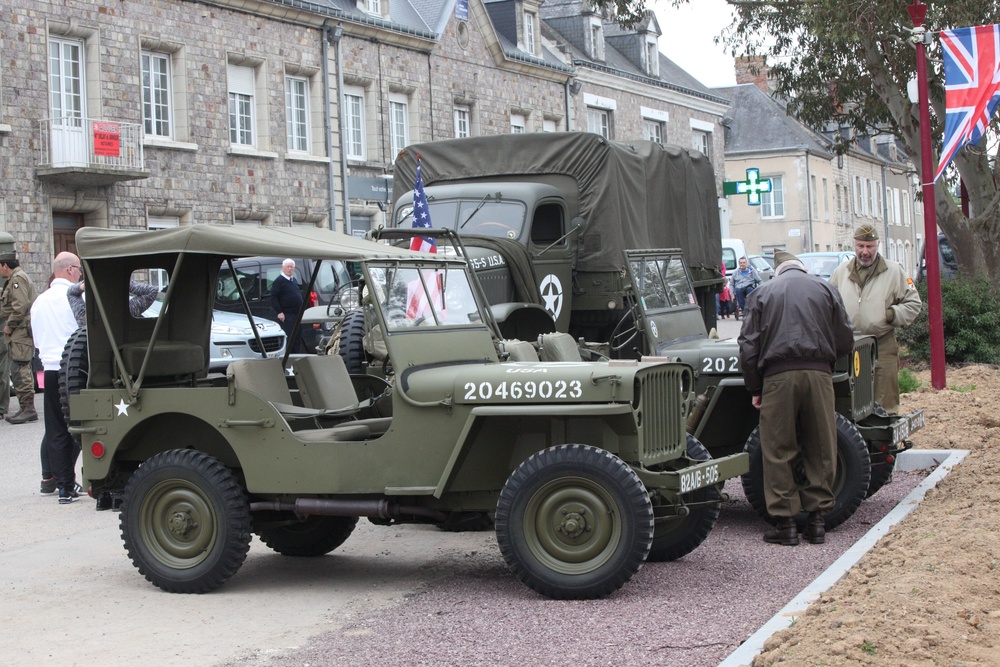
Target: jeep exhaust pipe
[382,508]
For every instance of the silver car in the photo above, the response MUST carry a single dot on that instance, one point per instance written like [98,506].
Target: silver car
[232,337]
[822,264]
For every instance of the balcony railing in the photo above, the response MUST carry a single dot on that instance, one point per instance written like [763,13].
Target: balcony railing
[84,151]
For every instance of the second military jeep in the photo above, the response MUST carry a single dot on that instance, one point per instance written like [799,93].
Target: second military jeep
[586,467]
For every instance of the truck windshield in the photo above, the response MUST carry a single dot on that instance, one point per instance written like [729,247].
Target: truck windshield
[502,219]
[424,297]
[661,282]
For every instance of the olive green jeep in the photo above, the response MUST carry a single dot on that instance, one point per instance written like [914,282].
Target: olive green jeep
[664,319]
[586,467]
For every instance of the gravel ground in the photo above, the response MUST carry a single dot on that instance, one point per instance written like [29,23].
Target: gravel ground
[689,613]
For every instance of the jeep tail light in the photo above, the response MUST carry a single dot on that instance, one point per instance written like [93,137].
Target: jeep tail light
[313,299]
[97,449]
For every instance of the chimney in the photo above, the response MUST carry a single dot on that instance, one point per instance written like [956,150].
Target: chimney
[753,69]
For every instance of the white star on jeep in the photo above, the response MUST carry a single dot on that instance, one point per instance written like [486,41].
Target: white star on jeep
[122,407]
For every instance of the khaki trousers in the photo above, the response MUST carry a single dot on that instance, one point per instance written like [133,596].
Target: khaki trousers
[797,419]
[4,375]
[887,373]
[24,383]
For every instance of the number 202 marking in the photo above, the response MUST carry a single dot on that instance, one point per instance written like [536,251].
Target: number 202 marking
[721,365]
[517,389]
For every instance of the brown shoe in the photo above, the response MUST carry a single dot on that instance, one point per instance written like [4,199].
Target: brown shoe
[27,415]
[783,533]
[815,530]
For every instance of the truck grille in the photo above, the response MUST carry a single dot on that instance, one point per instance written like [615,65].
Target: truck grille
[663,392]
[496,284]
[271,344]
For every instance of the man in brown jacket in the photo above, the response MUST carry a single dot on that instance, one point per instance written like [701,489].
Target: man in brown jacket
[794,329]
[15,314]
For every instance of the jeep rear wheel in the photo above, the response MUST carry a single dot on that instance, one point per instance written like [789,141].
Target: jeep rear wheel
[185,521]
[313,536]
[675,537]
[849,486]
[574,522]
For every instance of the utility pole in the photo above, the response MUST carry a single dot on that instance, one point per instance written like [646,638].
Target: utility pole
[920,37]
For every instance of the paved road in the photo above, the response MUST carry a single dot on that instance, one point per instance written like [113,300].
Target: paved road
[71,596]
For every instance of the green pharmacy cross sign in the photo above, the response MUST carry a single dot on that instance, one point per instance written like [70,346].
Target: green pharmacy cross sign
[752,187]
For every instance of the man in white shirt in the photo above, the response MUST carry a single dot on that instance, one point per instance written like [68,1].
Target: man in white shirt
[52,323]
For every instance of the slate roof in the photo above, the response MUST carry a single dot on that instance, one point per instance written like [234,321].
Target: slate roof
[759,124]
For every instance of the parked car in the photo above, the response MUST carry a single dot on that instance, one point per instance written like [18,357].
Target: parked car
[946,260]
[255,275]
[232,338]
[732,250]
[764,268]
[822,264]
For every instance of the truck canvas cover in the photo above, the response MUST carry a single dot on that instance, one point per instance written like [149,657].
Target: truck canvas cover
[638,194]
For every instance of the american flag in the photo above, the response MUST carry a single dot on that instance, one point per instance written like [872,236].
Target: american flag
[421,215]
[972,86]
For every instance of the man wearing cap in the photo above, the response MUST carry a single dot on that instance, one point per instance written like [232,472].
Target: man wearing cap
[879,298]
[794,328]
[15,314]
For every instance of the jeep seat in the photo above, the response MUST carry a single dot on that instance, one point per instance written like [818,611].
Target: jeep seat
[558,346]
[168,358]
[265,378]
[517,350]
[325,384]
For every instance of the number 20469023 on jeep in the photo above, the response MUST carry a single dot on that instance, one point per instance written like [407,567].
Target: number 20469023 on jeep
[586,467]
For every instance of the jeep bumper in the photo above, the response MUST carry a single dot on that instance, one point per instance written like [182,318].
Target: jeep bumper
[696,476]
[889,434]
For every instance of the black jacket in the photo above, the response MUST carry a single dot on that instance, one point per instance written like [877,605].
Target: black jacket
[286,297]
[796,321]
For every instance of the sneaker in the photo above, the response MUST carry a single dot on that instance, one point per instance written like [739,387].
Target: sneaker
[48,486]
[67,497]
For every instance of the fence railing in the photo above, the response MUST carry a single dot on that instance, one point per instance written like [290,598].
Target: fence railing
[90,144]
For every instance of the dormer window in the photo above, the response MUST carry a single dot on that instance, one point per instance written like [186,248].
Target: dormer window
[596,39]
[373,7]
[652,58]
[530,21]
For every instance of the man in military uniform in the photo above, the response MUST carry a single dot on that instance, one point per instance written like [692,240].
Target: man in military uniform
[6,248]
[15,314]
[879,298]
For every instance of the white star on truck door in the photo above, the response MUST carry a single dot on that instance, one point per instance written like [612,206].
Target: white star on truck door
[122,407]
[552,294]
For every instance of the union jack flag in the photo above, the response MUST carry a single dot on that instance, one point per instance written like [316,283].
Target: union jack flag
[972,86]
[421,215]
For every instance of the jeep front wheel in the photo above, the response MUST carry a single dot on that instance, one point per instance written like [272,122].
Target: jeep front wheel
[676,536]
[185,521]
[850,484]
[574,522]
[313,536]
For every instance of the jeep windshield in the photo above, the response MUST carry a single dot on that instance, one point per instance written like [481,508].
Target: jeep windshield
[411,296]
[488,217]
[661,283]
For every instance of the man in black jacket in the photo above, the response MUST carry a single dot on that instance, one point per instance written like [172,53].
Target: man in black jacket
[286,299]
[794,330]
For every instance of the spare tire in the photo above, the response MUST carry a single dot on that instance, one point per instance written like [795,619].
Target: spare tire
[351,342]
[74,371]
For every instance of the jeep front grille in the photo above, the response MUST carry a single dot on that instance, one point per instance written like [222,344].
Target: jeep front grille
[864,392]
[271,344]
[663,395]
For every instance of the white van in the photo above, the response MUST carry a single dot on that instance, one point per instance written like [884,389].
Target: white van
[732,250]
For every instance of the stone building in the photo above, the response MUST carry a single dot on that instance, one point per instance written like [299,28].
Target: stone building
[280,112]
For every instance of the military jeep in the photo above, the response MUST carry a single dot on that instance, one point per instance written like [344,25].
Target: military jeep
[586,467]
[664,319]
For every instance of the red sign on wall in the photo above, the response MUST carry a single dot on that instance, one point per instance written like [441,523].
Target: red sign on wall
[107,139]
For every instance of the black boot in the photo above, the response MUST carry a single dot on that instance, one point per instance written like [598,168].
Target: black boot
[815,530]
[783,533]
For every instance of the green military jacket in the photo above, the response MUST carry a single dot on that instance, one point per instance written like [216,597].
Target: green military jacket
[15,313]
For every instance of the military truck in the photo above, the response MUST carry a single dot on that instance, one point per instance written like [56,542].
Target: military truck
[546,216]
[664,319]
[587,467]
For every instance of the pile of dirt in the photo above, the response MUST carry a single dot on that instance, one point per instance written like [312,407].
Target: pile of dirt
[929,592]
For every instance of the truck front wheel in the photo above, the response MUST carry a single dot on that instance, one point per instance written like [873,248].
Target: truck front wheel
[185,521]
[676,537]
[849,486]
[574,522]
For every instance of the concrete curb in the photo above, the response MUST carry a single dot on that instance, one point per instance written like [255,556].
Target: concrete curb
[915,459]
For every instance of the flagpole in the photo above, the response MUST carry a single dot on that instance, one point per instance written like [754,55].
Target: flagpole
[935,321]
